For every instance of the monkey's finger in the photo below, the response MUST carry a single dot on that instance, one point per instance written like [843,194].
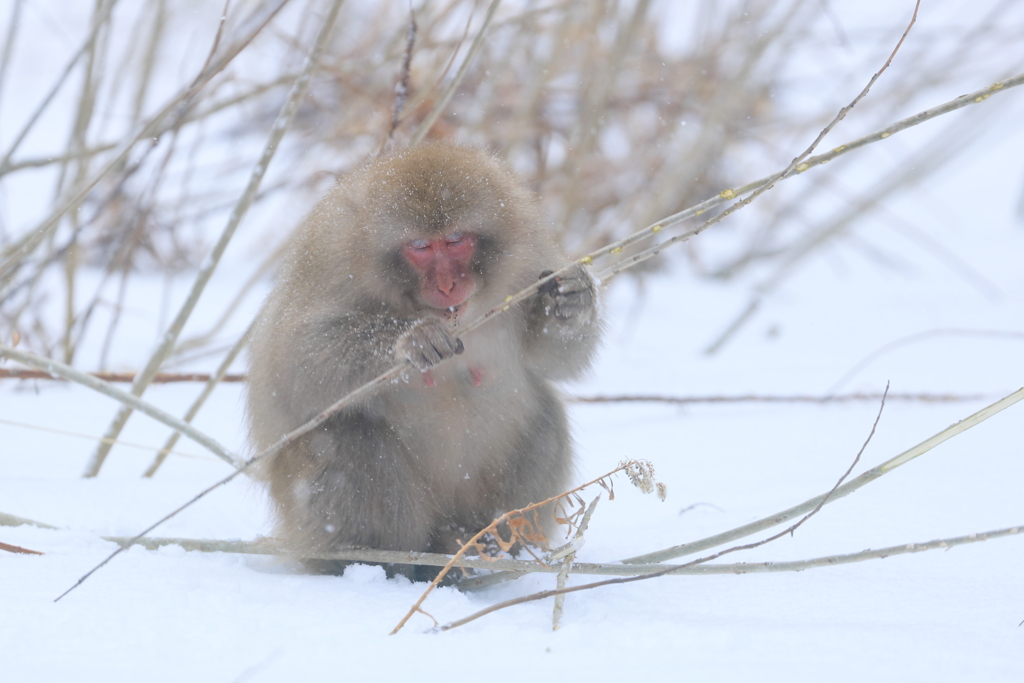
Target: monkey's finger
[433,355]
[573,285]
[444,344]
[551,286]
[574,305]
[569,312]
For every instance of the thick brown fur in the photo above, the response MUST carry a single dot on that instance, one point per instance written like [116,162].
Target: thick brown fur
[436,455]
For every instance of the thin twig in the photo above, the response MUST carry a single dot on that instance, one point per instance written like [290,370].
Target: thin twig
[911,170]
[13,25]
[123,377]
[18,549]
[566,567]
[153,129]
[193,410]
[68,372]
[842,491]
[492,529]
[14,520]
[561,590]
[402,87]
[520,567]
[617,247]
[798,163]
[976,97]
[914,338]
[166,517]
[91,437]
[41,107]
[745,568]
[786,515]
[768,398]
[41,162]
[170,337]
[174,377]
[435,113]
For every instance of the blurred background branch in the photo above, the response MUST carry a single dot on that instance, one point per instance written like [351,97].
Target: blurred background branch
[614,115]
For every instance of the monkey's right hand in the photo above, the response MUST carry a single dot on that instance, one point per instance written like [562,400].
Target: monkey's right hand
[428,343]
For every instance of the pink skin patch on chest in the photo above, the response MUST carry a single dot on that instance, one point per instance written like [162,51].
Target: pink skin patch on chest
[476,373]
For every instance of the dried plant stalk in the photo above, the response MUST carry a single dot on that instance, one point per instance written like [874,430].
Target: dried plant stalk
[170,337]
[521,526]
[844,490]
[68,372]
[193,410]
[742,568]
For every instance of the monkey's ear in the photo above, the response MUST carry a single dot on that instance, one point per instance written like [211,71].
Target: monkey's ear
[551,286]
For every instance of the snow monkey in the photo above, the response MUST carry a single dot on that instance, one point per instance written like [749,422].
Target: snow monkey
[383,271]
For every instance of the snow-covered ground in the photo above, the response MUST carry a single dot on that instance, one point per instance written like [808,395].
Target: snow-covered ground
[172,615]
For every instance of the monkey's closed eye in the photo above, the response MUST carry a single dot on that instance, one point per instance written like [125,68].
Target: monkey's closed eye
[420,244]
[454,238]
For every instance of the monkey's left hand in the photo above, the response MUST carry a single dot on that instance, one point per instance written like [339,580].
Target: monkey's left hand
[569,297]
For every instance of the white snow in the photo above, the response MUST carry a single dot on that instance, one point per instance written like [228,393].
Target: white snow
[940,615]
[172,615]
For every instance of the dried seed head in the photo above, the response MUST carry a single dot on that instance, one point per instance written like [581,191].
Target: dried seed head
[641,474]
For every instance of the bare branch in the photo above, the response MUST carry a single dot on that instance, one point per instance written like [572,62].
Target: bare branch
[914,338]
[492,529]
[173,377]
[93,437]
[153,129]
[5,163]
[193,410]
[842,491]
[14,520]
[561,590]
[163,519]
[123,377]
[402,87]
[794,165]
[745,568]
[570,556]
[166,346]
[18,549]
[768,398]
[68,372]
[435,113]
[520,567]
[696,210]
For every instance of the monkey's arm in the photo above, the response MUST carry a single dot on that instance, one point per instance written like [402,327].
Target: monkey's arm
[332,355]
[563,326]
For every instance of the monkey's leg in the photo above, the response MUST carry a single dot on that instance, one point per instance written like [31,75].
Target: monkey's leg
[536,466]
[349,483]
[541,464]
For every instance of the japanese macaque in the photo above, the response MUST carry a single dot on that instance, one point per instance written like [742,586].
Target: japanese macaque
[383,271]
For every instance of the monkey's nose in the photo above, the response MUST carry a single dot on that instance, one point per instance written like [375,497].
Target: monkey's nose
[446,285]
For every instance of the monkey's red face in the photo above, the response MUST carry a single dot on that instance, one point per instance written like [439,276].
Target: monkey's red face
[443,267]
